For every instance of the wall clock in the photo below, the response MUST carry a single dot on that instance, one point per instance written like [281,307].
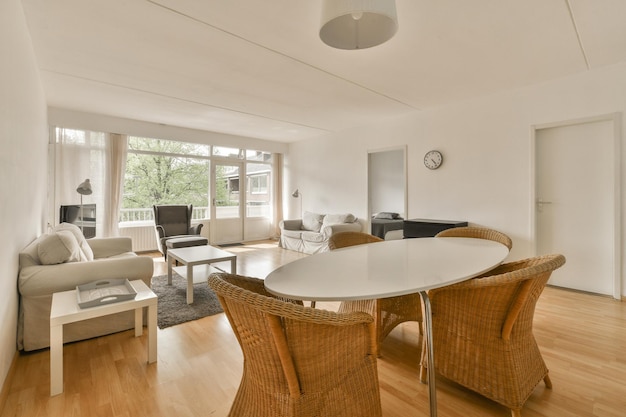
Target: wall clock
[433,159]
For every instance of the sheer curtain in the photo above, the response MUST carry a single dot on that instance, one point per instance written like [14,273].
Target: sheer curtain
[278,196]
[100,157]
[117,151]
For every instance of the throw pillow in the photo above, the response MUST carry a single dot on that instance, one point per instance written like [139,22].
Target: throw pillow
[312,221]
[58,248]
[338,218]
[85,250]
[386,215]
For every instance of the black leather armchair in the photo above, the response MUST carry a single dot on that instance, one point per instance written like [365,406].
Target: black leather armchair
[173,221]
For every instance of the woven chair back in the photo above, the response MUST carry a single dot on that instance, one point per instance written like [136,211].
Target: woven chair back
[478,233]
[345,239]
[298,361]
[483,335]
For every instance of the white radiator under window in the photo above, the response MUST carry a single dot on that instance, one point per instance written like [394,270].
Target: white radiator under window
[144,237]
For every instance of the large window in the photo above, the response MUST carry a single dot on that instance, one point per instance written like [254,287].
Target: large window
[168,172]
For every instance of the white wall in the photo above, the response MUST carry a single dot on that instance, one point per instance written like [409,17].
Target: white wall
[486,177]
[23,164]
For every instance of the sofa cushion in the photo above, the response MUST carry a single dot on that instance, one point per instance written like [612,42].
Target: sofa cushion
[312,221]
[59,247]
[338,219]
[85,249]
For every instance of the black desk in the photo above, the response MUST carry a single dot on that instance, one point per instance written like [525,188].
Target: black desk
[428,227]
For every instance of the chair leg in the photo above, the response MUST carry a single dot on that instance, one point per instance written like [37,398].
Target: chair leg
[423,374]
[547,381]
[516,413]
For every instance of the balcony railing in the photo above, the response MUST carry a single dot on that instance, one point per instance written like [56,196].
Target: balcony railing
[144,215]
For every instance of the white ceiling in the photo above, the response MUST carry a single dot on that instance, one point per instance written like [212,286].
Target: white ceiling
[257,68]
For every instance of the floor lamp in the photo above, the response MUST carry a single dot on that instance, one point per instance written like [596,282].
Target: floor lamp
[83,189]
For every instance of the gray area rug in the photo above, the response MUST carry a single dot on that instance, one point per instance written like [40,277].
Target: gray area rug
[172,301]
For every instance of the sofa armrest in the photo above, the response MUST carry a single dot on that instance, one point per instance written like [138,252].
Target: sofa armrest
[329,230]
[45,279]
[160,231]
[291,224]
[110,246]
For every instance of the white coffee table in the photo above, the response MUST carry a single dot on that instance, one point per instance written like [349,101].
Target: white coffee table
[194,256]
[65,310]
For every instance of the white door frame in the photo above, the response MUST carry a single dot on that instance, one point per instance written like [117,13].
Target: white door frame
[215,237]
[615,118]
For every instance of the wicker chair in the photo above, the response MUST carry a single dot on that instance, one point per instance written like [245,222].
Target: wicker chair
[387,312]
[482,331]
[298,361]
[479,233]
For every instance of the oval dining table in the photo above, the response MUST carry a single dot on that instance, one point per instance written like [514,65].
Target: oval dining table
[388,269]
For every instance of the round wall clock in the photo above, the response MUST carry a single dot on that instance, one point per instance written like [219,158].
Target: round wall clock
[433,159]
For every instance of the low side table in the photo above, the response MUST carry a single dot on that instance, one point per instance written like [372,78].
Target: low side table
[65,310]
[197,255]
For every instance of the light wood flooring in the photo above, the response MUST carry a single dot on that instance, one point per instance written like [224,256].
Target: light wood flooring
[582,338]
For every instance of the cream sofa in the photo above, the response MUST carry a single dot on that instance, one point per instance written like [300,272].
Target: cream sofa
[311,233]
[61,260]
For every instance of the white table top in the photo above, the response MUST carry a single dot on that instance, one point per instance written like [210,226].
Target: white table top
[65,307]
[385,269]
[195,254]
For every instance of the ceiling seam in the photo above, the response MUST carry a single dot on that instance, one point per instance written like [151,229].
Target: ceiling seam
[580,41]
[282,54]
[181,99]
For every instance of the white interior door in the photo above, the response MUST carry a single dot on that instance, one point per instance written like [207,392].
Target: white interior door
[228,199]
[577,206]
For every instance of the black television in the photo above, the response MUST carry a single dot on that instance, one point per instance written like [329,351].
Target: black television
[85,220]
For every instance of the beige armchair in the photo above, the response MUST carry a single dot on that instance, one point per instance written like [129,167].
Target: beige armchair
[61,260]
[482,331]
[298,361]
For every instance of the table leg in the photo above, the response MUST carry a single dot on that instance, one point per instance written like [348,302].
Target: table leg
[170,261]
[56,360]
[428,334]
[233,266]
[189,284]
[152,332]
[138,322]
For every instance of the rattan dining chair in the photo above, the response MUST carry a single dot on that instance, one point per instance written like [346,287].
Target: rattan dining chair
[482,331]
[298,361]
[479,233]
[387,312]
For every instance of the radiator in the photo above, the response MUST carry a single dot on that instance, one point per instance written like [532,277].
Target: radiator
[143,237]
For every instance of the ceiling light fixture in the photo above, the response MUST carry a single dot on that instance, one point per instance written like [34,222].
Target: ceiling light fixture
[358,24]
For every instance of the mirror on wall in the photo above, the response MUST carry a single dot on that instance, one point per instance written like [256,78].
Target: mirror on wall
[387,185]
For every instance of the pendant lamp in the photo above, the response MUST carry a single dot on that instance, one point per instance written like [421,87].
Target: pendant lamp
[358,24]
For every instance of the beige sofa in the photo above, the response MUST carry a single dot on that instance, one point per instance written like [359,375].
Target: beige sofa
[311,233]
[61,260]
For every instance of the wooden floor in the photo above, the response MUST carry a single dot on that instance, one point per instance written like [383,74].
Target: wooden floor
[582,338]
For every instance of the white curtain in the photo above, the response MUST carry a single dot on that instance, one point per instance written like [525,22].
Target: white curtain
[277,196]
[99,157]
[117,151]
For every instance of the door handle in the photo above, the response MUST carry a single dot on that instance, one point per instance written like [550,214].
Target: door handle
[541,203]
